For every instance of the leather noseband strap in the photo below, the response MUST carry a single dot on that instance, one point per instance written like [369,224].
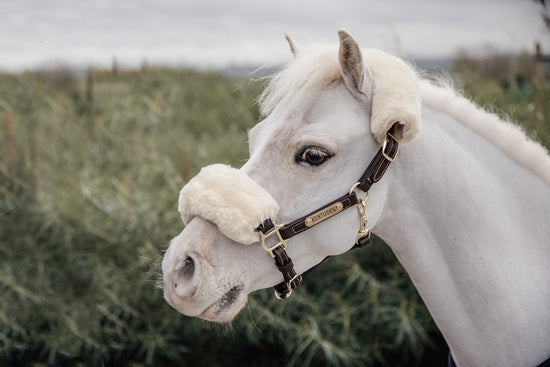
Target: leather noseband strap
[374,172]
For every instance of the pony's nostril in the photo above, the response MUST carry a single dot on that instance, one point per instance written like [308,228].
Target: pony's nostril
[188,269]
[185,277]
[186,272]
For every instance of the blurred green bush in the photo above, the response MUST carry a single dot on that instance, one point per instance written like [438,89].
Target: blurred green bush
[89,177]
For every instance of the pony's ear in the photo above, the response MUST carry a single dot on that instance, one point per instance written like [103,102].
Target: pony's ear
[387,83]
[294,47]
[355,73]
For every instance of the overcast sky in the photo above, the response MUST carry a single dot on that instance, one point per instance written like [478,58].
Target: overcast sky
[216,33]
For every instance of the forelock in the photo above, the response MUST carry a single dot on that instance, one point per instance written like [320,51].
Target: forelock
[314,68]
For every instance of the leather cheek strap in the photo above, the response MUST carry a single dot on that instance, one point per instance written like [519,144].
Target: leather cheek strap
[380,163]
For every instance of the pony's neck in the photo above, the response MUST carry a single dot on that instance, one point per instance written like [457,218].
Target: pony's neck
[471,228]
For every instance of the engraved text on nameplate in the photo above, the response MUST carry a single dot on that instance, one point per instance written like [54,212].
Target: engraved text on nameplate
[326,213]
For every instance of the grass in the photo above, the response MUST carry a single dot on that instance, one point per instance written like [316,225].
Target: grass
[88,195]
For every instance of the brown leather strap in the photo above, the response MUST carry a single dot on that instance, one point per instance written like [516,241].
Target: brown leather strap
[299,225]
[362,241]
[286,267]
[266,226]
[282,260]
[377,167]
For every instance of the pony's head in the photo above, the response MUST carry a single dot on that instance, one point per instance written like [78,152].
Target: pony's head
[327,114]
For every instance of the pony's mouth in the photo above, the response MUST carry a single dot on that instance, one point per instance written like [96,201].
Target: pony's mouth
[222,310]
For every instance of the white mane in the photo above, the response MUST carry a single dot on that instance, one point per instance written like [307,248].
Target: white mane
[507,136]
[316,67]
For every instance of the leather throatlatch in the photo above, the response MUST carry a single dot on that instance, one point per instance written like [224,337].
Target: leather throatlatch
[282,233]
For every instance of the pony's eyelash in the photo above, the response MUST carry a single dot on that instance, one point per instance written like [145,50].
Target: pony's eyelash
[313,155]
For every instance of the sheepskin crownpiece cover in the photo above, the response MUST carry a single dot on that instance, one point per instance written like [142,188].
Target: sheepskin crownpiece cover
[227,197]
[396,95]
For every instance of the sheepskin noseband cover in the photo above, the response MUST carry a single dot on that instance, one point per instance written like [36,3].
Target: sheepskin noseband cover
[230,199]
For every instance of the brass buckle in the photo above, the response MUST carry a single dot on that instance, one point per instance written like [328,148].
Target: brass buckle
[283,296]
[384,143]
[275,230]
[354,187]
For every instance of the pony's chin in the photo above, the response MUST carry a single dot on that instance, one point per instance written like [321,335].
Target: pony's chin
[218,312]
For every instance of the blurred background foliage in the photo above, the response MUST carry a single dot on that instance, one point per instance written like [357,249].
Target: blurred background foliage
[90,170]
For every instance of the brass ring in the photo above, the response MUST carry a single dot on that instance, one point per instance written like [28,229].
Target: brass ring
[354,187]
[282,297]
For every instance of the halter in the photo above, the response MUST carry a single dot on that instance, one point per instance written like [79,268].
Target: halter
[282,233]
[233,201]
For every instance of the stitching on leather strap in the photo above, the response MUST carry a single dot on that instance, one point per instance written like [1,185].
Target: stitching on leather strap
[298,226]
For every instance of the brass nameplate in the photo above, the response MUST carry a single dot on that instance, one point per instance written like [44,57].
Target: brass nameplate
[326,213]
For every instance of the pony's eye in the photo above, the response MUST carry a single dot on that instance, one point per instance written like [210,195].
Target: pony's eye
[314,156]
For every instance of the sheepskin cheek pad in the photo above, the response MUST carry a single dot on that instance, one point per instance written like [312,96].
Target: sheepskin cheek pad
[230,199]
[396,95]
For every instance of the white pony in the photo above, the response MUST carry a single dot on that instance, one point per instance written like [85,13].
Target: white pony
[465,206]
